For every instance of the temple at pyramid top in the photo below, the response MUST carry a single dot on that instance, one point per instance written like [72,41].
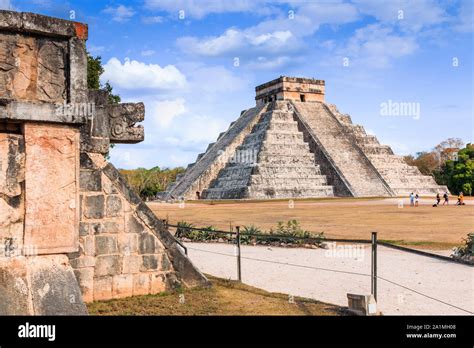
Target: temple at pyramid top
[293,144]
[290,88]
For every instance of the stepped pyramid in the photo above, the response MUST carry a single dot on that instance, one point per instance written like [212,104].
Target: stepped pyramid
[294,145]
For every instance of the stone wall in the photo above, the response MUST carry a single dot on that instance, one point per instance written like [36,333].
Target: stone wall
[71,229]
[121,251]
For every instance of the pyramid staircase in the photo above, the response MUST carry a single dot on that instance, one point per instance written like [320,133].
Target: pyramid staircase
[401,177]
[281,164]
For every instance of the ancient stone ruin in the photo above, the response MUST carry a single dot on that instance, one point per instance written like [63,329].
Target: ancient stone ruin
[293,144]
[71,229]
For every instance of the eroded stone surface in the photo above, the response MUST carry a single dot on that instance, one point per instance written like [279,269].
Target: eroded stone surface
[12,177]
[32,69]
[51,180]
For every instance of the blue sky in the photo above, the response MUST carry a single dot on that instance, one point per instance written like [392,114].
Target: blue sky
[179,57]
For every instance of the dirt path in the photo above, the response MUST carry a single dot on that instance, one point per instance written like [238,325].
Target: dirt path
[425,227]
[446,281]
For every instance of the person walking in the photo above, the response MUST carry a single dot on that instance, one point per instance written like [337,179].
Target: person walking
[438,199]
[446,198]
[412,199]
[416,200]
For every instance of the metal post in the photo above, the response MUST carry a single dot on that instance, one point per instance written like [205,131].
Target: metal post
[239,274]
[374,265]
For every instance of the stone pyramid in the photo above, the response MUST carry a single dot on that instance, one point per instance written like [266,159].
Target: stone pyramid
[273,160]
[294,145]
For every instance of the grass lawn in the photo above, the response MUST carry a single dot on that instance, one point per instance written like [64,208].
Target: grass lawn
[423,227]
[225,297]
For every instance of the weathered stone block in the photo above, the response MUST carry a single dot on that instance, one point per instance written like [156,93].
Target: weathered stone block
[87,244]
[51,227]
[122,286]
[141,284]
[113,205]
[82,262]
[85,278]
[147,243]
[112,226]
[149,263]
[84,228]
[157,283]
[165,263]
[132,224]
[90,180]
[54,287]
[34,69]
[14,287]
[108,265]
[107,186]
[131,264]
[94,207]
[128,243]
[105,245]
[102,288]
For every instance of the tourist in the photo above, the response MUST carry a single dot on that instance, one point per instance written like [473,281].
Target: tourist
[438,199]
[460,199]
[412,199]
[446,198]
[416,200]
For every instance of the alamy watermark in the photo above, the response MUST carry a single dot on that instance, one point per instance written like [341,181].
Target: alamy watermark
[345,251]
[76,109]
[248,157]
[402,109]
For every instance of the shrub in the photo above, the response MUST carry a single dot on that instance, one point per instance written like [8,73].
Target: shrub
[249,229]
[467,249]
[183,229]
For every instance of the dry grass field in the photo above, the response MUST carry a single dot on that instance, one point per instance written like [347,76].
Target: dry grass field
[225,297]
[423,227]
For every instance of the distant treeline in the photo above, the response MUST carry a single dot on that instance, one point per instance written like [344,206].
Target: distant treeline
[449,163]
[148,182]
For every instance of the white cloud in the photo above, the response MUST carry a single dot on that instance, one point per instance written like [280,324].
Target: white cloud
[216,79]
[265,63]
[120,13]
[147,53]
[410,15]
[163,112]
[376,45]
[278,36]
[465,20]
[201,8]
[238,42]
[137,75]
[6,5]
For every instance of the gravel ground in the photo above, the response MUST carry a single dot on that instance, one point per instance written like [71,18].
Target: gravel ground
[442,280]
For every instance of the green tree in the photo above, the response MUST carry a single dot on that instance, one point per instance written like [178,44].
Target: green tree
[148,182]
[94,70]
[458,173]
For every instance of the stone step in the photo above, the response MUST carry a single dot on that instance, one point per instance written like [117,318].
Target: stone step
[283,127]
[282,159]
[285,172]
[282,116]
[262,192]
[234,193]
[289,181]
[377,150]
[272,136]
[286,148]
